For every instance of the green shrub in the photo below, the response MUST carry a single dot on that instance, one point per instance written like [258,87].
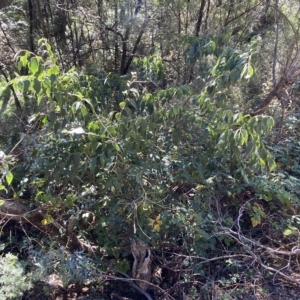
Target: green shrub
[13,280]
[134,149]
[71,267]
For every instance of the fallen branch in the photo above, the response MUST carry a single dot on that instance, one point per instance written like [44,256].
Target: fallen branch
[251,246]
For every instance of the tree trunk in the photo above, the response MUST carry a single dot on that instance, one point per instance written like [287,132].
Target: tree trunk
[200,17]
[135,48]
[41,20]
[31,40]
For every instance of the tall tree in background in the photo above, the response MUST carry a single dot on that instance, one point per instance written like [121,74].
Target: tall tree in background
[108,36]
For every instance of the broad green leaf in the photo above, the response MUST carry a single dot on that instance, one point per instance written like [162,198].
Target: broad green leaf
[79,95]
[49,49]
[230,64]
[215,68]
[236,151]
[255,221]
[34,65]
[76,106]
[132,102]
[156,227]
[204,234]
[264,154]
[103,160]
[53,78]
[234,76]
[288,232]
[122,105]
[270,122]
[1,202]
[93,162]
[249,148]
[36,85]
[118,116]
[47,220]
[250,72]
[93,126]
[53,71]
[4,97]
[43,120]
[244,134]
[116,146]
[26,85]
[262,162]
[271,163]
[213,45]
[244,176]
[9,177]
[237,136]
[24,60]
[84,111]
[112,130]
[116,184]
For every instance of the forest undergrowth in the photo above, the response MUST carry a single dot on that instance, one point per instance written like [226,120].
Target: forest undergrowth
[134,169]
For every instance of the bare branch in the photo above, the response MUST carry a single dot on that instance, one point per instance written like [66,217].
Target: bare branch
[113,30]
